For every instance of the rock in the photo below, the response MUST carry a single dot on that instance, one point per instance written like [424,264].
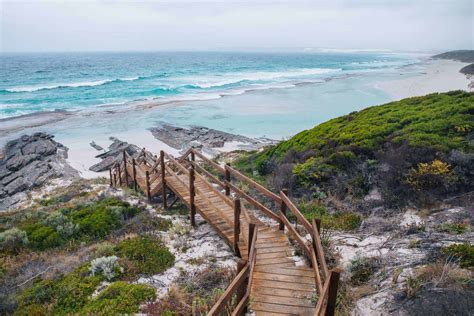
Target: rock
[201,137]
[18,185]
[95,146]
[29,162]
[114,154]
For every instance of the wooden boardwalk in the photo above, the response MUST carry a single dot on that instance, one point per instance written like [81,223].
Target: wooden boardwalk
[268,282]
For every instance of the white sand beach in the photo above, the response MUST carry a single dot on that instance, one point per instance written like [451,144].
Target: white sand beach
[435,75]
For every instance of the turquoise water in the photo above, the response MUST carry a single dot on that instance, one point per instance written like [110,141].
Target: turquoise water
[31,83]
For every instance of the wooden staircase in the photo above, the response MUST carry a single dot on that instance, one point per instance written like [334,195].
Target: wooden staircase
[268,281]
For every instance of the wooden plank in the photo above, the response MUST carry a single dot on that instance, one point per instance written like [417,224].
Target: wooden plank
[282,292]
[277,308]
[285,271]
[279,254]
[274,261]
[283,278]
[283,285]
[288,301]
[272,249]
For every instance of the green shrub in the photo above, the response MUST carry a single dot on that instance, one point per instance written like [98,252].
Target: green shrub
[462,252]
[147,253]
[120,298]
[338,221]
[454,228]
[42,237]
[66,295]
[13,240]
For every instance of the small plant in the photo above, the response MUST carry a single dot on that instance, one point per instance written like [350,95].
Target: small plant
[147,253]
[62,224]
[108,266]
[462,252]
[345,221]
[362,269]
[454,228]
[429,175]
[413,286]
[13,240]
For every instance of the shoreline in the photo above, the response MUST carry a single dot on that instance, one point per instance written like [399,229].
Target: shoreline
[278,108]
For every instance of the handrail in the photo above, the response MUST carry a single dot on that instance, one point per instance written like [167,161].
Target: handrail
[212,163]
[237,284]
[251,182]
[296,212]
[208,174]
[253,201]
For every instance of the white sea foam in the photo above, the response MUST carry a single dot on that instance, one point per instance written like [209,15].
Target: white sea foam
[233,78]
[68,85]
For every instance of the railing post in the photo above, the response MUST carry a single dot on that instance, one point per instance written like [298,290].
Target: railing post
[193,158]
[243,287]
[163,181]
[251,233]
[237,210]
[283,209]
[332,292]
[110,174]
[227,178]
[147,174]
[192,207]
[125,167]
[115,179]
[134,164]
[119,175]
[318,224]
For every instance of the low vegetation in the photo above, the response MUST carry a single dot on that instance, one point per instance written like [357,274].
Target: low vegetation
[345,221]
[464,253]
[415,150]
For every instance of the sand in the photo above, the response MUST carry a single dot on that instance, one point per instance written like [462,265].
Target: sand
[434,76]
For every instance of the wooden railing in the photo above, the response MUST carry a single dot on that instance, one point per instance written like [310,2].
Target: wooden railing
[326,281]
[235,298]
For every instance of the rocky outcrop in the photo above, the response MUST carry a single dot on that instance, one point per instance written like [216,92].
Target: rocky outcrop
[202,137]
[29,162]
[114,154]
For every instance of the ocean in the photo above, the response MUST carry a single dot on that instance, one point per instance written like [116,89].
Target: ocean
[31,83]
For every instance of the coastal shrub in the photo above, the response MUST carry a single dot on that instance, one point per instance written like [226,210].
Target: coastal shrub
[65,295]
[120,298]
[464,253]
[147,253]
[430,174]
[417,149]
[62,224]
[109,267]
[42,237]
[362,269]
[312,171]
[13,240]
[345,221]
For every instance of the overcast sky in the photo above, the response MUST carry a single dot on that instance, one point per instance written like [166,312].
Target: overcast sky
[118,25]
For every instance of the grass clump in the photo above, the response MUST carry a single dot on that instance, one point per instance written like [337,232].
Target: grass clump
[462,252]
[120,298]
[345,221]
[362,269]
[454,228]
[147,253]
